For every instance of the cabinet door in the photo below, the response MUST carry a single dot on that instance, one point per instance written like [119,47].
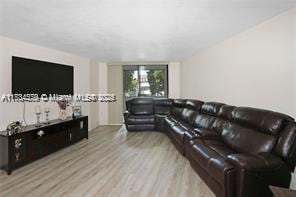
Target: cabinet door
[19,150]
[83,128]
[74,132]
[55,140]
[36,144]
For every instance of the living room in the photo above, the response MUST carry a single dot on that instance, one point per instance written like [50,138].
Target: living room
[167,98]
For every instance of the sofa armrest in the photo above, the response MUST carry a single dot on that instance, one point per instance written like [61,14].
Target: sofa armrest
[256,172]
[261,162]
[126,114]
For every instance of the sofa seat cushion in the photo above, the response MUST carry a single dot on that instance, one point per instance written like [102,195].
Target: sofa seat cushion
[185,125]
[259,162]
[206,133]
[178,129]
[212,156]
[170,120]
[215,145]
[175,118]
[140,127]
[190,134]
[160,119]
[199,133]
[143,119]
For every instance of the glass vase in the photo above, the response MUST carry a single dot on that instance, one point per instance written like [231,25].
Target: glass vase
[63,114]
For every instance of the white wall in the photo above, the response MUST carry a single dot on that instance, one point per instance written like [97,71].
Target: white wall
[13,112]
[103,89]
[254,68]
[174,80]
[115,86]
[2,81]
[94,89]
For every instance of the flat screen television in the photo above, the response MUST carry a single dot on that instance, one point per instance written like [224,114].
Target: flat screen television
[39,77]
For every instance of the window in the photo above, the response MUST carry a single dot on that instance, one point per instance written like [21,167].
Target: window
[145,80]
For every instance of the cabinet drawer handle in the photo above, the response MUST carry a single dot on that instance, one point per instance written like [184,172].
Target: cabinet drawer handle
[40,133]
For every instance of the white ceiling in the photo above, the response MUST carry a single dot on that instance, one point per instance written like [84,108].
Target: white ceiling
[133,30]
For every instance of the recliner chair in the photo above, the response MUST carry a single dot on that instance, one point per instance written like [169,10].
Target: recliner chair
[140,114]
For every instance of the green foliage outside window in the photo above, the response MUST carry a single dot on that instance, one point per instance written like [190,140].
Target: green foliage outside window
[156,82]
[130,84]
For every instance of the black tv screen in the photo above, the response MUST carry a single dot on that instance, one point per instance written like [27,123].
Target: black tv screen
[39,77]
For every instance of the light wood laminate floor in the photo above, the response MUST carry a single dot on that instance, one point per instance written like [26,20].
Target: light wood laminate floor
[111,162]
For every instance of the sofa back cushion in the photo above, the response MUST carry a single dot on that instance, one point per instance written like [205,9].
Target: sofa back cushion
[268,122]
[224,116]
[194,104]
[178,106]
[225,112]
[187,115]
[218,125]
[162,106]
[141,106]
[207,115]
[211,108]
[247,140]
[190,109]
[203,121]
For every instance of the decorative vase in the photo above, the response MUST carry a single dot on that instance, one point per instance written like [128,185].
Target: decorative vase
[63,114]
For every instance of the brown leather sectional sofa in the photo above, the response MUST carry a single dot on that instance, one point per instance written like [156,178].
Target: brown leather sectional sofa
[237,151]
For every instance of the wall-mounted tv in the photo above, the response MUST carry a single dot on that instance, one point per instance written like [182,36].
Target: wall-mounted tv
[39,77]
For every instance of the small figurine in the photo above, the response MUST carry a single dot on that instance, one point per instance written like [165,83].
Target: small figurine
[14,127]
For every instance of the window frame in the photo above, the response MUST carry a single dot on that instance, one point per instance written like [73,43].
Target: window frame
[147,67]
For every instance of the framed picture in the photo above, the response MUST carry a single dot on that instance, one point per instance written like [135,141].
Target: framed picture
[76,111]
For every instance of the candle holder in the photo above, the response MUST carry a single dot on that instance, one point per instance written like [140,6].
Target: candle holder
[46,111]
[38,113]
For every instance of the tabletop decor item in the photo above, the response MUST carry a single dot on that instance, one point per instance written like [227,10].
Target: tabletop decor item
[63,109]
[76,111]
[46,111]
[13,128]
[38,113]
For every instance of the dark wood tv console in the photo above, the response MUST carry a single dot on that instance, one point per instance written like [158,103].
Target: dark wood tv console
[33,143]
